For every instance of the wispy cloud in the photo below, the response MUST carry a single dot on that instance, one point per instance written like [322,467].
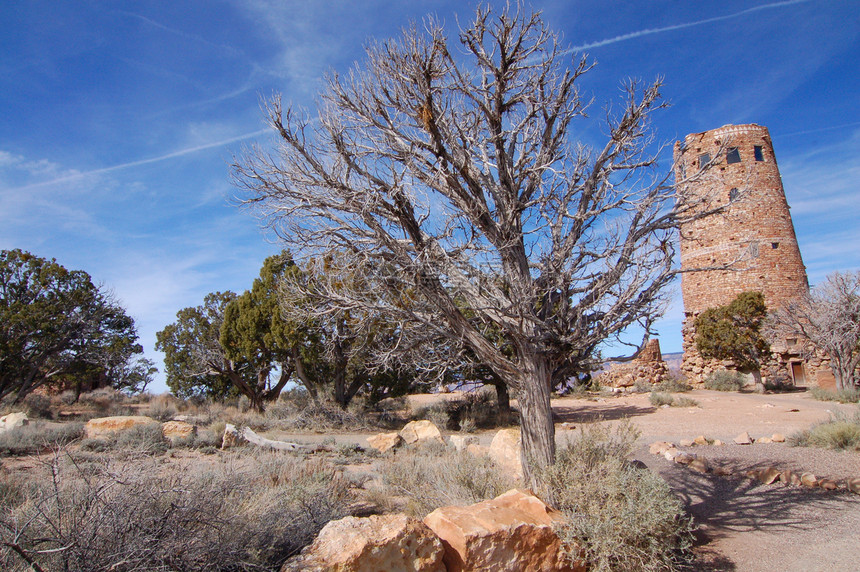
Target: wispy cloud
[651,31]
[187,151]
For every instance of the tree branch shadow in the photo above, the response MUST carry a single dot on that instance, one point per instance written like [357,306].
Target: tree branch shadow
[590,413]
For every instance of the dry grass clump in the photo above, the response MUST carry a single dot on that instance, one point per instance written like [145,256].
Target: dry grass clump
[659,398]
[248,513]
[622,517]
[38,437]
[850,395]
[432,476]
[842,431]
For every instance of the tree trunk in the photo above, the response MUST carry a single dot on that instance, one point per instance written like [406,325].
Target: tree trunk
[504,400]
[536,425]
[759,385]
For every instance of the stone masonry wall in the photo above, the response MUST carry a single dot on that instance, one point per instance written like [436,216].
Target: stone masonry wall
[749,245]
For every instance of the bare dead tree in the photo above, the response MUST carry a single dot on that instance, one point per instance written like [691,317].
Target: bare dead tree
[453,174]
[827,320]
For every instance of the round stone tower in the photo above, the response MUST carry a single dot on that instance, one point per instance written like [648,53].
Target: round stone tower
[750,245]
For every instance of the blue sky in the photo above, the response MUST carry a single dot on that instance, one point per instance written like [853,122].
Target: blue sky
[119,119]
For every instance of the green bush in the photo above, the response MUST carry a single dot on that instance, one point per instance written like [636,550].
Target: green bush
[850,395]
[685,402]
[435,475]
[673,384]
[842,431]
[146,515]
[725,380]
[620,516]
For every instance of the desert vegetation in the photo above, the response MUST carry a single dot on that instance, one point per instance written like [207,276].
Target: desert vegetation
[841,431]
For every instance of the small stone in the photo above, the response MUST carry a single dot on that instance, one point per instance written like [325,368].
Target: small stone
[763,440]
[853,485]
[670,454]
[421,432]
[637,464]
[717,443]
[700,465]
[506,450]
[828,484]
[13,421]
[808,480]
[700,440]
[178,430]
[383,442]
[785,477]
[232,437]
[686,442]
[743,439]
[659,447]
[768,476]
[684,458]
[460,442]
[778,438]
[722,471]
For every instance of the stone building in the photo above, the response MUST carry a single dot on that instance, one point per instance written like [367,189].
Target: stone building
[647,368]
[750,245]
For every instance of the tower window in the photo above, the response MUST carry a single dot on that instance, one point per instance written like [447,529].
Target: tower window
[733,155]
[733,195]
[774,245]
[704,159]
[758,152]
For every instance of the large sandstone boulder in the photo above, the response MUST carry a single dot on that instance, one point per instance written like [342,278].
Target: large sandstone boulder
[103,426]
[178,430]
[373,544]
[506,450]
[383,442]
[423,431]
[511,533]
[13,420]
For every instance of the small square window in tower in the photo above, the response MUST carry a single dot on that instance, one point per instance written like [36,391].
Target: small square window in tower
[704,159]
[733,195]
[733,155]
[758,152]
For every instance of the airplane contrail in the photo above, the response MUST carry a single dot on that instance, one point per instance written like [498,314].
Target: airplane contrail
[650,31]
[140,162]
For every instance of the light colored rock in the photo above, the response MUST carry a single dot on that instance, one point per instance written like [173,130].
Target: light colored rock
[659,447]
[13,420]
[373,544]
[423,431]
[684,458]
[700,440]
[506,450]
[722,471]
[460,442]
[178,430]
[853,485]
[743,439]
[383,442]
[700,465]
[103,426]
[686,442]
[763,440]
[808,480]
[768,476]
[778,438]
[717,443]
[478,450]
[511,533]
[670,454]
[828,484]
[232,437]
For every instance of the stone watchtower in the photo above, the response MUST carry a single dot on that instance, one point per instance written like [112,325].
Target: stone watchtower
[749,246]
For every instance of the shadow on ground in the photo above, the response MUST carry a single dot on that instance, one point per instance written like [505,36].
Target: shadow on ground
[597,412]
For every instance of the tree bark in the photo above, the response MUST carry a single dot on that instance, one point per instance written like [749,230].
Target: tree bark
[536,425]
[759,385]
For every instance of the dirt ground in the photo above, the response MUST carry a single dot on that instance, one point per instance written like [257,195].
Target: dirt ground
[743,526]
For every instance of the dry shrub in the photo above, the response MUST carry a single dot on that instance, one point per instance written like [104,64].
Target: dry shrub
[624,518]
[324,416]
[247,513]
[658,399]
[432,476]
[725,380]
[162,407]
[842,431]
[38,437]
[850,395]
[137,441]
